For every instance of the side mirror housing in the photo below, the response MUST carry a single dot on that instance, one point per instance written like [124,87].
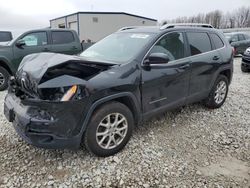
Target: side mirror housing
[20,43]
[157,58]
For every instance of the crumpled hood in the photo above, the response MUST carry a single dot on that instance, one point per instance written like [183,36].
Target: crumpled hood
[51,70]
[37,64]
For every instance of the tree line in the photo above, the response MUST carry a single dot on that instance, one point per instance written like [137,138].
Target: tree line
[238,18]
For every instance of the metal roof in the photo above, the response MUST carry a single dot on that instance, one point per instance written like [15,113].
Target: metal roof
[123,13]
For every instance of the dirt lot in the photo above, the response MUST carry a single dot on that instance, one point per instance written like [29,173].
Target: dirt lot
[188,147]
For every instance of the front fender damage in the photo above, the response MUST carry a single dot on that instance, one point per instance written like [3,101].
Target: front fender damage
[36,101]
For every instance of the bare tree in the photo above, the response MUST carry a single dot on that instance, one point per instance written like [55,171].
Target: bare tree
[237,18]
[242,16]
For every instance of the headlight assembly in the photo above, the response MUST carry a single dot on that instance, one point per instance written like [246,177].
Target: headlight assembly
[70,93]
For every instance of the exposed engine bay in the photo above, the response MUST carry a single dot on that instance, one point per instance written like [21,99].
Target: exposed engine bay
[54,77]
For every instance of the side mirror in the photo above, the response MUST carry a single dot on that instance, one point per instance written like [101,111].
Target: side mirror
[20,43]
[232,40]
[157,58]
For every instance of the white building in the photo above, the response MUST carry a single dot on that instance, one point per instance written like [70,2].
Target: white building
[97,25]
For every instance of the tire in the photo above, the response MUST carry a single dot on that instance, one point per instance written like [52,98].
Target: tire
[108,133]
[244,69]
[217,97]
[4,78]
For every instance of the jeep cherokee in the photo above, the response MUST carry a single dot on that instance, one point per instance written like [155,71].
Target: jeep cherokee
[58,101]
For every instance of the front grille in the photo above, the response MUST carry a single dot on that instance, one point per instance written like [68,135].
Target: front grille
[246,60]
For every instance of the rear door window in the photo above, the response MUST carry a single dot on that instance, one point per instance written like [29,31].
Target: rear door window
[198,42]
[62,37]
[241,37]
[5,36]
[246,36]
[218,43]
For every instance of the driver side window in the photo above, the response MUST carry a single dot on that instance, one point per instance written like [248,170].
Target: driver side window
[36,39]
[172,45]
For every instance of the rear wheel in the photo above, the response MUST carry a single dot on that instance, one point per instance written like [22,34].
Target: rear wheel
[4,77]
[109,130]
[218,93]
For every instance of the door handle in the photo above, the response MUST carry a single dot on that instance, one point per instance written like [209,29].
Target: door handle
[74,48]
[216,58]
[184,66]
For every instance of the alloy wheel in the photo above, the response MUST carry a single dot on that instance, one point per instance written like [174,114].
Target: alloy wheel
[2,79]
[220,92]
[111,131]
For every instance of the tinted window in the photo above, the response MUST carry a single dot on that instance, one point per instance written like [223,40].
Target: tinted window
[172,45]
[217,41]
[234,38]
[5,36]
[199,43]
[241,37]
[35,39]
[62,37]
[246,36]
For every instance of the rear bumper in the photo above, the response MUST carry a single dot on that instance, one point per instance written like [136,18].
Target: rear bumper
[45,124]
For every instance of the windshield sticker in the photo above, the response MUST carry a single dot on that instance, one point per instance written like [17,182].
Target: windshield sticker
[139,36]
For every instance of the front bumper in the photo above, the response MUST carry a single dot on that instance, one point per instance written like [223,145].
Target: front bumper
[245,62]
[55,125]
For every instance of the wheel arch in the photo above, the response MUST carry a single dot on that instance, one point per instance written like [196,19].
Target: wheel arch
[5,65]
[226,71]
[125,98]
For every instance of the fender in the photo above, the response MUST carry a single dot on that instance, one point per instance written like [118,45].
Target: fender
[221,69]
[106,99]
[5,63]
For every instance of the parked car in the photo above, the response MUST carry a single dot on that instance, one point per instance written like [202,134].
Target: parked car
[44,40]
[5,36]
[245,64]
[58,101]
[240,41]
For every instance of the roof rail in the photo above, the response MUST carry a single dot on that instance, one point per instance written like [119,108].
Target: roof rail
[127,28]
[167,26]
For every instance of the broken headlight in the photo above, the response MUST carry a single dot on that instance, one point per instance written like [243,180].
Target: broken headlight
[63,93]
[70,93]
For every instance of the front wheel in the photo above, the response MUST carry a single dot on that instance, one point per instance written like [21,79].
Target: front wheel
[218,93]
[109,130]
[4,77]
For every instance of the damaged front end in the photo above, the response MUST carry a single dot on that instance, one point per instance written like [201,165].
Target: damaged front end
[49,98]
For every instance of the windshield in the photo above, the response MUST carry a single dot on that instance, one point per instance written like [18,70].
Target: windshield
[228,35]
[118,47]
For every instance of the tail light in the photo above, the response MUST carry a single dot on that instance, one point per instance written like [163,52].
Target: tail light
[234,51]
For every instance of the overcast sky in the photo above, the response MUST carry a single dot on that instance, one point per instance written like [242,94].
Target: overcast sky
[27,14]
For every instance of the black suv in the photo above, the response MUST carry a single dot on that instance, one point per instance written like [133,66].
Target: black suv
[58,101]
[245,64]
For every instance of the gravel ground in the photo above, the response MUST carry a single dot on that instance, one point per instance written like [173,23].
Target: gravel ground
[188,147]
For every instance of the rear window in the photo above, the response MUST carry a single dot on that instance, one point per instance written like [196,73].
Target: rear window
[246,36]
[217,41]
[199,43]
[5,36]
[62,37]
[241,37]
